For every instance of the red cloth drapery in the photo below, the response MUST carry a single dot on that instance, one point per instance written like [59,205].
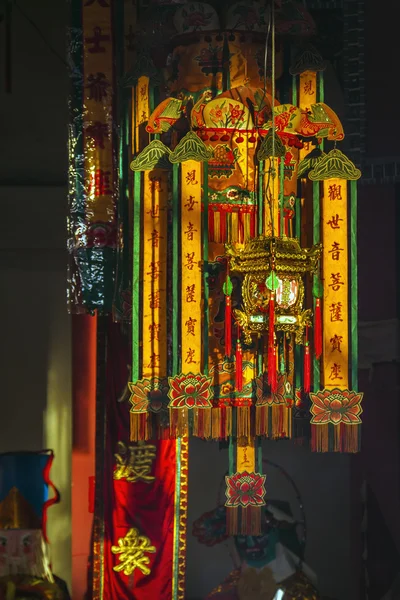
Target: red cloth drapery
[148,506]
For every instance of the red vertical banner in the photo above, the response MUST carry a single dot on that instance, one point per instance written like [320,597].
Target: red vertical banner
[139,553]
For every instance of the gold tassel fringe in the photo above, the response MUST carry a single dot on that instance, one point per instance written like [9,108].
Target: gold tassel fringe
[244,520]
[178,422]
[344,438]
[262,420]
[243,425]
[202,423]
[140,427]
[281,421]
[221,422]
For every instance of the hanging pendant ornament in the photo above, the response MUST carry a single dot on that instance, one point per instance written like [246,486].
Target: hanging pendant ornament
[307,366]
[239,363]
[227,289]
[272,283]
[317,293]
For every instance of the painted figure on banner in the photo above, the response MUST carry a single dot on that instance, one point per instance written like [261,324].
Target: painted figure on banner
[265,563]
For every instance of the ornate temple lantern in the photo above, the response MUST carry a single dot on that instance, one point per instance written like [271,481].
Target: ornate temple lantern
[227,256]
[289,263]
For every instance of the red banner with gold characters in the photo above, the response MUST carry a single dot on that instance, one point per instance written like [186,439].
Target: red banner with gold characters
[137,552]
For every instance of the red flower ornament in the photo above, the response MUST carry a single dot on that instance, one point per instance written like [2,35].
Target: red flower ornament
[245,489]
[148,395]
[336,406]
[190,391]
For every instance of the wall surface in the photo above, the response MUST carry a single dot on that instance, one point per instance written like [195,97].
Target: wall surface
[35,341]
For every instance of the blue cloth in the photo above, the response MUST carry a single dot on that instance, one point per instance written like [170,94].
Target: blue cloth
[24,470]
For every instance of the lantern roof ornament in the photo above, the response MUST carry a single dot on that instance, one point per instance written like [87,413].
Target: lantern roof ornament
[281,254]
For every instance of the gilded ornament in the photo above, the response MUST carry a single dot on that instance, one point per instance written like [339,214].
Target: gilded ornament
[333,165]
[278,263]
[190,147]
[132,550]
[134,462]
[155,155]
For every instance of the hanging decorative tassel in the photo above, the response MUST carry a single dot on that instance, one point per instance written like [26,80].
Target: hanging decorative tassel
[244,521]
[317,292]
[243,418]
[272,368]
[271,343]
[271,319]
[178,423]
[202,423]
[317,329]
[262,420]
[239,364]
[141,426]
[272,284]
[244,516]
[221,425]
[307,366]
[227,289]
[228,327]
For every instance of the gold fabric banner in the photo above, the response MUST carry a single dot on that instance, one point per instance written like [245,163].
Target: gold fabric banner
[336,284]
[97,112]
[141,112]
[191,257]
[155,273]
[307,96]
[246,458]
[271,197]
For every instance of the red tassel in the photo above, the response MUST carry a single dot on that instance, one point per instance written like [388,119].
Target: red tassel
[239,366]
[271,321]
[307,369]
[317,329]
[272,379]
[272,376]
[228,326]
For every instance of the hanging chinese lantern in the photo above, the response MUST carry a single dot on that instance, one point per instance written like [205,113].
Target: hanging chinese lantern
[234,256]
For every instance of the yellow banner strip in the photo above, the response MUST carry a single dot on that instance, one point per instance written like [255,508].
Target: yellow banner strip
[245,458]
[154,334]
[141,110]
[271,197]
[307,96]
[336,284]
[97,112]
[191,257]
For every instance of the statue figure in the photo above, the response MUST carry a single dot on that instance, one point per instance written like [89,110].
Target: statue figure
[269,566]
[25,570]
